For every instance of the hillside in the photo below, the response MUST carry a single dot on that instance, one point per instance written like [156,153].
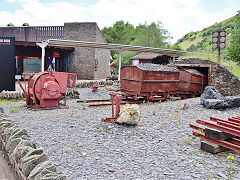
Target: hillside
[202,40]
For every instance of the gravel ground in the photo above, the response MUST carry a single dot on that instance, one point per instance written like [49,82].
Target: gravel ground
[160,147]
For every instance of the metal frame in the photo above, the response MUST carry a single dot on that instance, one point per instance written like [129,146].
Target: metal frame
[115,47]
[230,126]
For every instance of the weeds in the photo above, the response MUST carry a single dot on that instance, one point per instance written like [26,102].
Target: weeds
[14,110]
[72,113]
[147,103]
[231,172]
[84,105]
[211,176]
[66,147]
[186,140]
[168,100]
[78,149]
[200,130]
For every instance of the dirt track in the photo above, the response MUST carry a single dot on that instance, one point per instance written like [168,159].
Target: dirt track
[5,171]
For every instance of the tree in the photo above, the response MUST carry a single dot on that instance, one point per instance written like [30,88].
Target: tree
[119,33]
[233,50]
[152,35]
[176,47]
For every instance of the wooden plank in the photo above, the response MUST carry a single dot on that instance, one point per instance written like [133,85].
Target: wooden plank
[211,147]
[217,134]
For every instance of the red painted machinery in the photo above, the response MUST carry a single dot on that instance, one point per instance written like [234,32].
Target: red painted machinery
[158,82]
[45,89]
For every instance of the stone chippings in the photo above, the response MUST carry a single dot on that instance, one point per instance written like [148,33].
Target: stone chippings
[29,158]
[161,146]
[155,67]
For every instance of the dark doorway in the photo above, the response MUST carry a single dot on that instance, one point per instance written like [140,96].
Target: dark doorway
[7,63]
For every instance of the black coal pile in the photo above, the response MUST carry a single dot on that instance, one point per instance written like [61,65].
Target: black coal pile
[212,99]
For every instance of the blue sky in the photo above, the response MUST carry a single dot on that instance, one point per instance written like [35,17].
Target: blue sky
[178,16]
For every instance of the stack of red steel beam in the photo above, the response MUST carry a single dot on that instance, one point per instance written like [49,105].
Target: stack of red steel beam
[230,127]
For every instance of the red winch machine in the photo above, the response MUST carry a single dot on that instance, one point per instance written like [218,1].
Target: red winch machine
[45,89]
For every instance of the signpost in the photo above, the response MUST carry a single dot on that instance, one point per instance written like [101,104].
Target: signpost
[219,41]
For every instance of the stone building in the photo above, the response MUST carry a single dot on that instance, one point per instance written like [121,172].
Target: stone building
[87,63]
[217,75]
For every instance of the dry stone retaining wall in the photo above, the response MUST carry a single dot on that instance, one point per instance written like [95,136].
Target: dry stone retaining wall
[29,161]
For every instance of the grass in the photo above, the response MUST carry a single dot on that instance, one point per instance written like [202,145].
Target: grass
[84,105]
[187,141]
[231,65]
[11,101]
[13,110]
[187,43]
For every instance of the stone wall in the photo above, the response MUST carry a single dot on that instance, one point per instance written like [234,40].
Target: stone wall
[103,58]
[226,83]
[28,160]
[83,60]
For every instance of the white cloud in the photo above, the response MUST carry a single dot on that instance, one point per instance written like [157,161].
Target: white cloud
[178,16]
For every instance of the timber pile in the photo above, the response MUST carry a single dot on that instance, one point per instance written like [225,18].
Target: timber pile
[219,136]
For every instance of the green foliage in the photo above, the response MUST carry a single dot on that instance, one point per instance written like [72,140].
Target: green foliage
[192,48]
[84,105]
[202,40]
[78,149]
[101,129]
[176,47]
[119,33]
[14,110]
[233,50]
[152,35]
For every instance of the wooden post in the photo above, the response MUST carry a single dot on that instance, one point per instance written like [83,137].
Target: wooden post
[219,52]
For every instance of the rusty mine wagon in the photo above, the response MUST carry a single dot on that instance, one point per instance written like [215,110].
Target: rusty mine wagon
[157,82]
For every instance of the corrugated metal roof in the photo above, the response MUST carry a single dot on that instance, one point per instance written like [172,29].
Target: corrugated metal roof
[146,55]
[115,47]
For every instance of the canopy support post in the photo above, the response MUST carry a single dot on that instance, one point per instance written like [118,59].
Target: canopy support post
[119,65]
[43,45]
